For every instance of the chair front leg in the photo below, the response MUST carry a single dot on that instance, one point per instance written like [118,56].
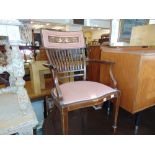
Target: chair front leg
[116,110]
[64,121]
[84,119]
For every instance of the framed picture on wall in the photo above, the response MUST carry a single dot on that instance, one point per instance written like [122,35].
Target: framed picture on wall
[125,28]
[78,21]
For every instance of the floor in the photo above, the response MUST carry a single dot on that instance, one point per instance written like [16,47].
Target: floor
[99,124]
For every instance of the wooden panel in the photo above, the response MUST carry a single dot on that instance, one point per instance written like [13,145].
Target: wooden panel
[134,72]
[94,69]
[42,55]
[44,92]
[126,72]
[146,83]
[128,49]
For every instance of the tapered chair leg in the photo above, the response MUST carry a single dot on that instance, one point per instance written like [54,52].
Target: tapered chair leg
[108,109]
[84,120]
[64,121]
[116,109]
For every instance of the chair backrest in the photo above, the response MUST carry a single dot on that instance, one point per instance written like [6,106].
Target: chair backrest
[65,51]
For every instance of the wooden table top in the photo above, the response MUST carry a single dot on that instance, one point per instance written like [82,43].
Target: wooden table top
[44,92]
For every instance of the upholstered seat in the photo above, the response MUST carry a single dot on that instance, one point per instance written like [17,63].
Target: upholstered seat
[82,91]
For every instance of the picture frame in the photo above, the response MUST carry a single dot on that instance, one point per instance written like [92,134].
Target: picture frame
[125,28]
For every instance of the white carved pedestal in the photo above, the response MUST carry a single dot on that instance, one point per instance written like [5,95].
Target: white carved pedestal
[16,113]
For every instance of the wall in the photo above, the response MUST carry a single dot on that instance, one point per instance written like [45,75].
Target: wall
[11,31]
[88,36]
[104,23]
[95,34]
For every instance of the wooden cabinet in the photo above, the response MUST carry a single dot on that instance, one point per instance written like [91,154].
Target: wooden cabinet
[134,72]
[93,69]
[41,56]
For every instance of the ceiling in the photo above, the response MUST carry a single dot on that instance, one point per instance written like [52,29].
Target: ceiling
[63,24]
[60,24]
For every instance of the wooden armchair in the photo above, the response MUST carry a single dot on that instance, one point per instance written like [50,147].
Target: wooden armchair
[16,113]
[66,55]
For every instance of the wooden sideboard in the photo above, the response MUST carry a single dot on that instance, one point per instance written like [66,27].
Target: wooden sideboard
[134,72]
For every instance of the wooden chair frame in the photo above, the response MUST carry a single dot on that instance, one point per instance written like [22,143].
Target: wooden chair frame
[65,60]
[64,109]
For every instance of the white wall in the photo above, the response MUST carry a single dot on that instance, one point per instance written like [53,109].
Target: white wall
[11,31]
[97,34]
[97,23]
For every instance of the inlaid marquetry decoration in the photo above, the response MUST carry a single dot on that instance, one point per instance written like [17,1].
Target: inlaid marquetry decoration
[62,40]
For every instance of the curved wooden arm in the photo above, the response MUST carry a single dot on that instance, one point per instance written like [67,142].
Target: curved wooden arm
[111,63]
[50,66]
[55,79]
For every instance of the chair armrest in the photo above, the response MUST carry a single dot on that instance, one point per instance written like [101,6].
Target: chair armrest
[50,66]
[55,79]
[111,63]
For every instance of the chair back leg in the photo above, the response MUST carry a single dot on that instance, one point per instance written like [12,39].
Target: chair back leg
[116,109]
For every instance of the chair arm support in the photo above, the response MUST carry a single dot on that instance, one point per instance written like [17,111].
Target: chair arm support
[55,79]
[50,66]
[111,63]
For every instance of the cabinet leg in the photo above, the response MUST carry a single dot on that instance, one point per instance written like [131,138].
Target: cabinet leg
[137,122]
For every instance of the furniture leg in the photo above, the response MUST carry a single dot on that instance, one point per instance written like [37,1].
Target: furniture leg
[35,131]
[35,79]
[116,109]
[108,108]
[137,122]
[84,119]
[64,121]
[45,108]
[42,80]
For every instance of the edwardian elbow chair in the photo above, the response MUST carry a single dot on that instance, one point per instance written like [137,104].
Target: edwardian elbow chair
[66,55]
